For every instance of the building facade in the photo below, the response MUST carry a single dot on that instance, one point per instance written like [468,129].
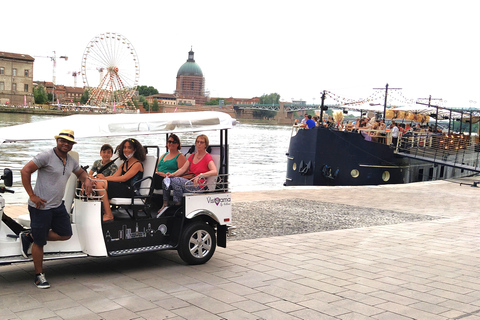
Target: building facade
[64,94]
[162,99]
[16,79]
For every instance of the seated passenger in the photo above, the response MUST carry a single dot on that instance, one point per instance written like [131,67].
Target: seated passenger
[330,122]
[304,121]
[120,184]
[200,164]
[169,162]
[105,166]
[310,123]
[363,132]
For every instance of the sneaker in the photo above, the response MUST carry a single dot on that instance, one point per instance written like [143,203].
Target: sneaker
[26,241]
[162,211]
[41,282]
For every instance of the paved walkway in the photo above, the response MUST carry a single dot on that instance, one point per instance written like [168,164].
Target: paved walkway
[418,270]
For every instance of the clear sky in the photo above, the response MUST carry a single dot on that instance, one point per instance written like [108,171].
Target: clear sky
[249,48]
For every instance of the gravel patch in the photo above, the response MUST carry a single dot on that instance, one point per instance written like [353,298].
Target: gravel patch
[263,219]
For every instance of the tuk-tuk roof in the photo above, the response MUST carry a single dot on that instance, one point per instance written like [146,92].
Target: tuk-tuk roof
[109,125]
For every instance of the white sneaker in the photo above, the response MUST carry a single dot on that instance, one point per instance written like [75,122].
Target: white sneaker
[162,211]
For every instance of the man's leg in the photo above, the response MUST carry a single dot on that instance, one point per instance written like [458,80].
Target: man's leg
[37,255]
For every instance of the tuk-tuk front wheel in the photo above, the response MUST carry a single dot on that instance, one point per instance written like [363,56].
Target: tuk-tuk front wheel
[197,244]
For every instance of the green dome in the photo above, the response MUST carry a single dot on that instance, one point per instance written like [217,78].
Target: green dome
[190,68]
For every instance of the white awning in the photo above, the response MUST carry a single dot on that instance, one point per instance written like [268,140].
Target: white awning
[109,125]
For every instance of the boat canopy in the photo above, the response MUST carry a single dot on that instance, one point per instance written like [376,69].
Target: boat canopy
[109,125]
[416,108]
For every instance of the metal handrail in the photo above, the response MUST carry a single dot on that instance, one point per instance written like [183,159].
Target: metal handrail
[218,183]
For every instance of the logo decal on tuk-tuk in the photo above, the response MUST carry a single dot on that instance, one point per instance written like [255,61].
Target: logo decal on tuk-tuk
[219,201]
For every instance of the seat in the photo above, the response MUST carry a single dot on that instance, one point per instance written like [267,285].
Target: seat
[141,200]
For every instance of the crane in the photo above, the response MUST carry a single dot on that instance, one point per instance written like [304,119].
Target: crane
[54,59]
[75,74]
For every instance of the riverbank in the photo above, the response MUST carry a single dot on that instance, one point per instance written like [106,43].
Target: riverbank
[51,112]
[39,111]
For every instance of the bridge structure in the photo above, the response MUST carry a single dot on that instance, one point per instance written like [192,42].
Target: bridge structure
[285,111]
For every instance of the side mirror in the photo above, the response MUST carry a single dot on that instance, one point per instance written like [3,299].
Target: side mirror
[7,177]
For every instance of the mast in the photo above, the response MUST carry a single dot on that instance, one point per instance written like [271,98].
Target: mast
[385,102]
[321,107]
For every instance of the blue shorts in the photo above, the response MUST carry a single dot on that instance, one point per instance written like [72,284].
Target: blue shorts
[41,221]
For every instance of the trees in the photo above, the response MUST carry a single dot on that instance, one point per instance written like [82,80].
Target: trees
[85,96]
[40,94]
[155,105]
[214,102]
[146,91]
[272,98]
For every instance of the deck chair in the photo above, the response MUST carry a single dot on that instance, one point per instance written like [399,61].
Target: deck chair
[141,200]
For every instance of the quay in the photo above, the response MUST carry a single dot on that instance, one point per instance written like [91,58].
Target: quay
[414,270]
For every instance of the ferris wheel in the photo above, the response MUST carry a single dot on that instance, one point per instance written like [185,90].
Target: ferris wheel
[110,70]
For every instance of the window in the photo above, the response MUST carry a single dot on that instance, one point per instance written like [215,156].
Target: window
[2,70]
[14,86]
[14,72]
[2,85]
[25,87]
[26,72]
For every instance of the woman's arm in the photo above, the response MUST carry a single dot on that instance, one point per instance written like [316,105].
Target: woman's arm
[212,170]
[181,160]
[180,171]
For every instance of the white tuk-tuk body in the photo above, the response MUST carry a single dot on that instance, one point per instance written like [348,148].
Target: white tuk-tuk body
[194,228]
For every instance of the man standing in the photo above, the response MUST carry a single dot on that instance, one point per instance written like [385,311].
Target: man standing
[49,219]
[395,132]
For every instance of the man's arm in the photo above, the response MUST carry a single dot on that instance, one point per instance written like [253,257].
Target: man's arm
[84,178]
[26,174]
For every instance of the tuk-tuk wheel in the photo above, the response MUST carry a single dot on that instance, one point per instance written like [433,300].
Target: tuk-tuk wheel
[197,243]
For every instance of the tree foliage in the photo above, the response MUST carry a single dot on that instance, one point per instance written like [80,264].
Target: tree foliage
[85,97]
[272,98]
[155,105]
[40,94]
[214,102]
[146,91]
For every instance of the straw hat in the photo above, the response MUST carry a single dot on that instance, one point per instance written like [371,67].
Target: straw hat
[67,135]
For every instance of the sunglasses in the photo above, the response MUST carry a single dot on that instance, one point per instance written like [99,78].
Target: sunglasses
[171,141]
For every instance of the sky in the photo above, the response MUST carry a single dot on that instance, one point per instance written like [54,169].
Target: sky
[250,48]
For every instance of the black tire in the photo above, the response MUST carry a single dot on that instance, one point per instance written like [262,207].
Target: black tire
[197,243]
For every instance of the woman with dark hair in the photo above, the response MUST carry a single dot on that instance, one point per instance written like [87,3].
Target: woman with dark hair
[120,184]
[169,162]
[200,164]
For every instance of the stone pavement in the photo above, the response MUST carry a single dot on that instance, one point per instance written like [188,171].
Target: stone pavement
[416,270]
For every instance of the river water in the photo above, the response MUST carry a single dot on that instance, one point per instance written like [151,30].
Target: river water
[257,153]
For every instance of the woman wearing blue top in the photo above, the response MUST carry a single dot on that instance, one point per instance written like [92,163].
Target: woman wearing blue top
[169,162]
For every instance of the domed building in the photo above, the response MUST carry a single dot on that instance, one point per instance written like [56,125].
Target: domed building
[190,81]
